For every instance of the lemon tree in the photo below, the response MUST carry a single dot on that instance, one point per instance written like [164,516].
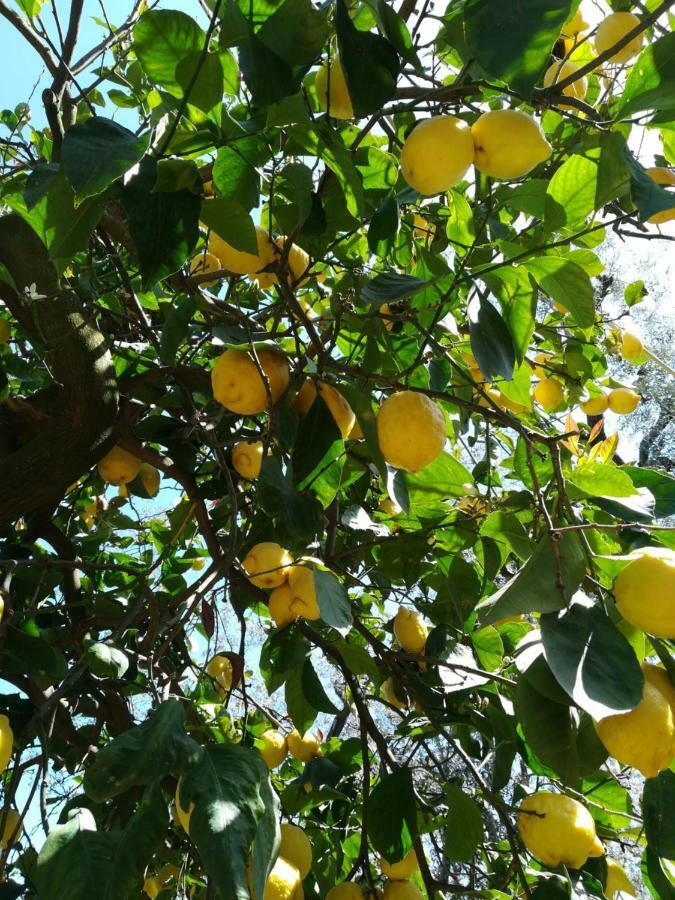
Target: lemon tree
[321,572]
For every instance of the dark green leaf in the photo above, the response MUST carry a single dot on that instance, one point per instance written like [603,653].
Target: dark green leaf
[661,486]
[651,80]
[283,651]
[77,855]
[161,39]
[333,600]
[300,708]
[318,443]
[39,181]
[106,661]
[658,802]
[299,513]
[549,730]
[391,286]
[384,226]
[98,151]
[392,815]
[235,172]
[296,32]
[267,838]
[464,826]
[26,654]
[655,877]
[201,79]
[566,282]
[396,32]
[648,196]
[176,327]
[491,341]
[267,76]
[232,222]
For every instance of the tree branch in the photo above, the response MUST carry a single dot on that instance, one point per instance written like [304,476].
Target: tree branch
[30,35]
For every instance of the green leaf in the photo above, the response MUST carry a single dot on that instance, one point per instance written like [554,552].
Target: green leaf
[657,808]
[549,730]
[175,328]
[635,292]
[384,226]
[267,838]
[392,815]
[97,152]
[283,651]
[26,654]
[296,32]
[535,587]
[77,855]
[142,754]
[571,193]
[230,221]
[651,79]
[267,76]
[504,527]
[565,282]
[299,513]
[464,825]
[491,341]
[318,443]
[369,62]
[176,174]
[648,196]
[602,480]
[225,785]
[161,39]
[235,172]
[592,660]
[201,79]
[163,226]
[444,477]
[532,26]
[654,874]
[106,661]
[300,708]
[660,484]
[333,600]
[396,32]
[391,286]
[613,175]
[517,297]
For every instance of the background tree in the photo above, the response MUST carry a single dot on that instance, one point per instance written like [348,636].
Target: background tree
[310,514]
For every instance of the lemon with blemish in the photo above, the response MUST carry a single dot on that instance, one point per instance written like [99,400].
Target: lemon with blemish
[238,385]
[303,747]
[267,565]
[247,457]
[558,830]
[219,669]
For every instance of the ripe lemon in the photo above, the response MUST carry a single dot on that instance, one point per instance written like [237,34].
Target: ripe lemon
[247,457]
[575,25]
[401,869]
[238,386]
[659,678]
[220,670]
[198,563]
[151,886]
[283,882]
[5,331]
[6,742]
[342,413]
[119,466]
[390,696]
[297,261]
[389,506]
[274,747]
[204,263]
[296,848]
[617,881]
[661,175]
[267,565]
[238,261]
[549,393]
[422,228]
[182,814]
[279,605]
[385,312]
[623,401]
[410,630]
[556,829]
[436,154]
[150,478]
[595,406]
[632,347]
[613,29]
[303,593]
[410,430]
[645,591]
[345,891]
[401,890]
[504,402]
[13,828]
[643,738]
[560,71]
[508,143]
[154,884]
[331,90]
[303,747]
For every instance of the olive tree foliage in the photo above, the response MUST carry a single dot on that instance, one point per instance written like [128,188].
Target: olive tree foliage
[507,544]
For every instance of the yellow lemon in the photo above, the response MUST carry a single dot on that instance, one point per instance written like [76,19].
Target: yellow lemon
[238,385]
[436,154]
[385,312]
[6,742]
[342,413]
[561,71]
[238,261]
[13,827]
[332,91]
[389,506]
[410,430]
[410,630]
[279,605]
[150,478]
[297,261]
[623,401]
[508,143]
[296,848]
[632,347]
[659,678]
[267,565]
[198,563]
[401,890]
[5,331]
[303,747]
[151,886]
[556,304]
[390,695]
[401,869]
[612,29]
[661,175]
[283,882]
[274,747]
[183,815]
[549,393]
[422,228]
[356,434]
[645,591]
[204,263]
[303,593]
[595,406]
[643,738]
[575,25]
[557,829]
[504,402]
[247,458]
[617,881]
[119,466]
[220,670]
[345,891]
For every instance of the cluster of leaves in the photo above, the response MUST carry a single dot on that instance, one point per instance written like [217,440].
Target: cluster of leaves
[508,543]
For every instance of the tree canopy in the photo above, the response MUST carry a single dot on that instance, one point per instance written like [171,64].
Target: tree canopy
[310,511]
